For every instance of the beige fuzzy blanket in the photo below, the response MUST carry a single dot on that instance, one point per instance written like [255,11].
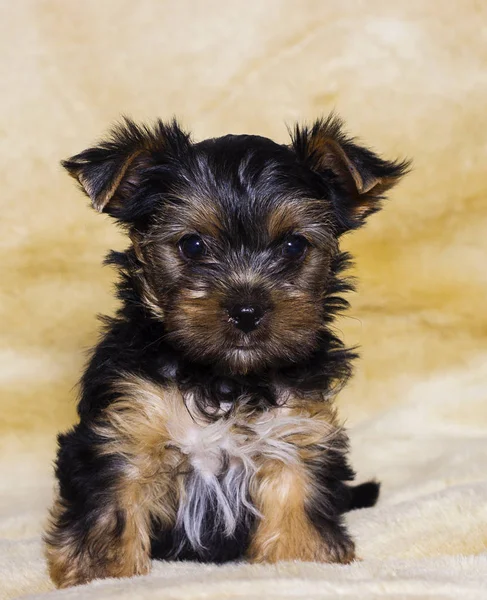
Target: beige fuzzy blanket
[410,77]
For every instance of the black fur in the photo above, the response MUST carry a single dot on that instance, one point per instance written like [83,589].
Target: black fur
[246,177]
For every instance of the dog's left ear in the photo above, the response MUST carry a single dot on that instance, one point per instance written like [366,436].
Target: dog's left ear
[363,178]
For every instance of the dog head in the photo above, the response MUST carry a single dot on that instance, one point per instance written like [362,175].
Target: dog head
[236,238]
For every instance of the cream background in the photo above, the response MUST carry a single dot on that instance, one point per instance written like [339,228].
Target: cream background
[409,77]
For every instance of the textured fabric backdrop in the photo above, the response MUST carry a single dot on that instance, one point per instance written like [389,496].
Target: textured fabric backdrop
[410,78]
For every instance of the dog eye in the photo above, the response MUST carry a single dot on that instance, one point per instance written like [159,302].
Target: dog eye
[295,246]
[192,246]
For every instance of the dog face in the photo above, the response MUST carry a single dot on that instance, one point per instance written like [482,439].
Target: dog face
[235,237]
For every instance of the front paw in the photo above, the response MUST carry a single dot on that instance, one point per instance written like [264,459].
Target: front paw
[340,549]
[67,571]
[331,546]
[72,561]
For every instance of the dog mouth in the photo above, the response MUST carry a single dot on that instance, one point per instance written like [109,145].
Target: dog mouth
[246,342]
[245,346]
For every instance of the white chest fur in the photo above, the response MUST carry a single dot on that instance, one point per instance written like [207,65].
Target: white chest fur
[225,456]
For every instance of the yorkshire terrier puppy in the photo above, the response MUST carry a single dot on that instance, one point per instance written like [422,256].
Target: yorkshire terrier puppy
[206,425]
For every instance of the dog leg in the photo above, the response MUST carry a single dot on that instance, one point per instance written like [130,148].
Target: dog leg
[100,525]
[116,479]
[285,531]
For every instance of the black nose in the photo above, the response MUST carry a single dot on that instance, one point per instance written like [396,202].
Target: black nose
[246,316]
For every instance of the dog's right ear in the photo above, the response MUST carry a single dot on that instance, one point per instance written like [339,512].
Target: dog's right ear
[111,172]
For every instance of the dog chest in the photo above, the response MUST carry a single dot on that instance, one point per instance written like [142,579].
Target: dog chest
[224,458]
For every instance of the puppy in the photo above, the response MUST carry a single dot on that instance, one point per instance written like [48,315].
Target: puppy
[206,425]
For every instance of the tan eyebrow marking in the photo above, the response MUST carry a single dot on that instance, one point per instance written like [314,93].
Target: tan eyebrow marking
[282,219]
[307,216]
[188,214]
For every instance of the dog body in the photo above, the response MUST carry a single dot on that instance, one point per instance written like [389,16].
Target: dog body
[207,429]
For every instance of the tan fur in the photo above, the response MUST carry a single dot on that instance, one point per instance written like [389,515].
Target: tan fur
[200,313]
[133,428]
[410,77]
[296,314]
[329,154]
[150,299]
[101,200]
[282,492]
[136,427]
[305,216]
[282,220]
[201,320]
[101,554]
[147,294]
[159,439]
[144,276]
[60,552]
[284,531]
[193,213]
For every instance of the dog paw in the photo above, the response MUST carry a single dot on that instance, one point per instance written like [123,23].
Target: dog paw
[341,550]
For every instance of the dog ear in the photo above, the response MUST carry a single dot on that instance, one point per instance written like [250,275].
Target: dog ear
[362,176]
[111,172]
